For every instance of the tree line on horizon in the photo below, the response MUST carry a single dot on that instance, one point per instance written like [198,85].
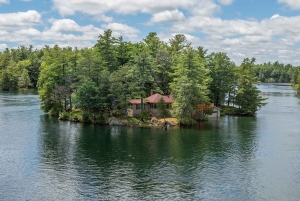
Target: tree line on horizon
[104,77]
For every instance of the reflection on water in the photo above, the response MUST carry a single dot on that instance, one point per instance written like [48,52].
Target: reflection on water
[230,158]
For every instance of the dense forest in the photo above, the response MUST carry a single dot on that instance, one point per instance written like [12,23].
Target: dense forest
[102,79]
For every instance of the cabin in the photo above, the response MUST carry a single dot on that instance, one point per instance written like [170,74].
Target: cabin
[149,104]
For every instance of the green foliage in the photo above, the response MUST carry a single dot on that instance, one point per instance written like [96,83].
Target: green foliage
[189,86]
[141,74]
[103,78]
[276,72]
[204,118]
[144,115]
[8,80]
[74,116]
[88,96]
[298,84]
[248,97]
[100,119]
[223,79]
[107,48]
[86,117]
[64,115]
[162,108]
[54,111]
[119,88]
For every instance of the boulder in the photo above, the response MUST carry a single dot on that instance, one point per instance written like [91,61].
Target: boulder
[115,122]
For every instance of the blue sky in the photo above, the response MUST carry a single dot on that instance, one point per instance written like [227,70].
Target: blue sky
[265,29]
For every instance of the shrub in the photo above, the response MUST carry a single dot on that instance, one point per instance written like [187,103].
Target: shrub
[204,118]
[144,115]
[64,115]
[74,117]
[86,117]
[100,119]
[54,112]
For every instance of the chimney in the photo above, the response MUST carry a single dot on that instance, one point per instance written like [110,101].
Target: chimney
[151,92]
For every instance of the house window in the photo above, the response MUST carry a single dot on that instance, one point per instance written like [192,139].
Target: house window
[138,106]
[169,106]
[152,106]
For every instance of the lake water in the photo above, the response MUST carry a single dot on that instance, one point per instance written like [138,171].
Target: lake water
[231,158]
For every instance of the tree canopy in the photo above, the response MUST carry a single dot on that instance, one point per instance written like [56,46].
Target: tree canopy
[104,77]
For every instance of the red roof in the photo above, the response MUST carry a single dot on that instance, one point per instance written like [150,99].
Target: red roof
[154,99]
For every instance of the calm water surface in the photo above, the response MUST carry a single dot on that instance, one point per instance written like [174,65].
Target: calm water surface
[232,158]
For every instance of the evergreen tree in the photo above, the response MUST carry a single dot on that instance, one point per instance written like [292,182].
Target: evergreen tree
[189,87]
[107,48]
[221,72]
[248,96]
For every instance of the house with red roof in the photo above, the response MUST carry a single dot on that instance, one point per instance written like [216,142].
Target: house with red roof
[149,104]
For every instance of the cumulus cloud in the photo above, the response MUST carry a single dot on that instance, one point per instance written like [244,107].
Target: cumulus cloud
[122,30]
[293,4]
[269,39]
[168,16]
[20,19]
[2,47]
[263,48]
[276,25]
[275,16]
[93,7]
[205,8]
[4,1]
[226,2]
[65,25]
[103,18]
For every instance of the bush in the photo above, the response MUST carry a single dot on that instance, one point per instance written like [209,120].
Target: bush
[187,121]
[204,118]
[86,117]
[100,119]
[74,117]
[144,115]
[64,115]
[54,112]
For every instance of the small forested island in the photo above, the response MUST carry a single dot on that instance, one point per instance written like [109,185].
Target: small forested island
[115,76]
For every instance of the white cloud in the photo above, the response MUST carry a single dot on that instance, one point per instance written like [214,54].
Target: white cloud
[293,4]
[205,8]
[20,19]
[103,18]
[122,30]
[63,31]
[275,16]
[28,32]
[65,25]
[2,47]
[168,16]
[4,1]
[226,2]
[94,7]
[276,25]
